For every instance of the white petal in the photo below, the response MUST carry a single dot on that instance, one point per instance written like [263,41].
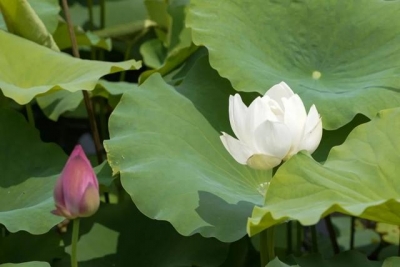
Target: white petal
[313,131]
[238,117]
[259,111]
[279,91]
[239,151]
[313,118]
[263,162]
[273,138]
[295,119]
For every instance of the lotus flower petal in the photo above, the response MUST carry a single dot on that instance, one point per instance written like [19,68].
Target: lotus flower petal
[273,128]
[239,151]
[76,193]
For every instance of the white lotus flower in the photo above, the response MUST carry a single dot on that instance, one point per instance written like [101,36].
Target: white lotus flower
[273,128]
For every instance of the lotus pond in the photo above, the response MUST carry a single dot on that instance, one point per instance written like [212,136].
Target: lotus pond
[200,133]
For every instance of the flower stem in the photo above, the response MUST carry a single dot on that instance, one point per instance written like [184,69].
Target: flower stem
[90,12]
[267,246]
[74,242]
[299,238]
[314,238]
[352,231]
[88,102]
[332,234]
[29,114]
[289,237]
[398,252]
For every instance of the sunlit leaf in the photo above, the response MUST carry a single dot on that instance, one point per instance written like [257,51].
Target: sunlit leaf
[391,262]
[390,233]
[46,10]
[359,178]
[325,50]
[57,103]
[117,12]
[61,37]
[21,19]
[165,145]
[178,45]
[26,264]
[37,70]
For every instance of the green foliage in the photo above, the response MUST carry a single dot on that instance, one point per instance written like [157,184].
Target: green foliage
[325,50]
[120,235]
[347,181]
[29,169]
[171,193]
[27,264]
[22,81]
[167,153]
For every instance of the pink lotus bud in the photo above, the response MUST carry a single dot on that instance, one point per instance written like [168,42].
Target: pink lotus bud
[76,193]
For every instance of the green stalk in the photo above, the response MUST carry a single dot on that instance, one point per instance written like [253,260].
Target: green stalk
[267,246]
[314,238]
[299,238]
[88,102]
[102,14]
[352,231]
[289,237]
[74,242]
[90,10]
[332,234]
[29,113]
[398,253]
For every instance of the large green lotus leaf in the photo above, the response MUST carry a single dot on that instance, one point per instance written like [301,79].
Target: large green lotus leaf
[327,51]
[345,259]
[119,235]
[26,264]
[29,169]
[61,37]
[47,11]
[22,247]
[21,19]
[391,262]
[36,69]
[178,46]
[57,103]
[165,144]
[117,12]
[359,178]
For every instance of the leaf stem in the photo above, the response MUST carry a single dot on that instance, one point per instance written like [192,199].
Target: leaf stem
[352,231]
[314,238]
[102,14]
[88,102]
[74,242]
[90,11]
[332,234]
[29,114]
[267,245]
[299,238]
[398,252]
[289,237]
